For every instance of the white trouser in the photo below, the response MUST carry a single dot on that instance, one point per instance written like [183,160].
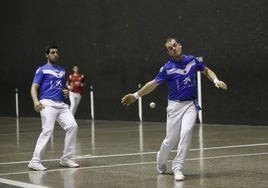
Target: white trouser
[60,112]
[75,99]
[181,117]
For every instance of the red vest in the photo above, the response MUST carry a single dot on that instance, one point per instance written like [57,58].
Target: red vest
[75,81]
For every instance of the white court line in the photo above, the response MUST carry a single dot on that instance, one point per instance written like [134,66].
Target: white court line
[148,153]
[25,185]
[88,156]
[20,184]
[229,147]
[139,163]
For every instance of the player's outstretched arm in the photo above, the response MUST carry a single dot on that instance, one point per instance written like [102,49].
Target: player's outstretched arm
[128,99]
[132,97]
[213,77]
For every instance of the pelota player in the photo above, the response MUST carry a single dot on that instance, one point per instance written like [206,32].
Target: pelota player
[75,83]
[179,73]
[48,92]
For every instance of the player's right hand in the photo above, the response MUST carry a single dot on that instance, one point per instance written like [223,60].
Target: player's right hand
[221,84]
[38,107]
[128,99]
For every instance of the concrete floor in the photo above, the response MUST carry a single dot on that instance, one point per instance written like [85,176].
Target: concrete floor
[122,154]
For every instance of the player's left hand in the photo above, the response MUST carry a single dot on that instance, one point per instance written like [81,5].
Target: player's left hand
[128,99]
[65,93]
[221,84]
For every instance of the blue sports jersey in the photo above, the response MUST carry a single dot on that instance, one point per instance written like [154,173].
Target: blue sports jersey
[51,79]
[180,77]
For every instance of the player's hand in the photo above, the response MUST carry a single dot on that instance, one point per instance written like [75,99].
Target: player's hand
[128,99]
[65,93]
[38,107]
[221,84]
[70,87]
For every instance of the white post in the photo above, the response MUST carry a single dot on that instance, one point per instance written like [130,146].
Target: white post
[18,132]
[93,136]
[17,101]
[52,141]
[140,106]
[201,143]
[92,102]
[199,92]
[141,136]
[201,153]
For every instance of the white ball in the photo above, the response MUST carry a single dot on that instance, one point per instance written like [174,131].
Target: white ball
[152,105]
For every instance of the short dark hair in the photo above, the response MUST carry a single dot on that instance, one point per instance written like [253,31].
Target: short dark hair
[171,38]
[48,47]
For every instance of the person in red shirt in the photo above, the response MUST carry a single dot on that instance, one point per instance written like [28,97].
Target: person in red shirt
[75,84]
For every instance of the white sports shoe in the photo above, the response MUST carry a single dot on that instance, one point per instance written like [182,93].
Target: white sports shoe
[162,169]
[36,166]
[69,163]
[178,176]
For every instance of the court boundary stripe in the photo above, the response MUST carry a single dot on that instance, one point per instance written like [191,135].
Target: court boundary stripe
[89,156]
[20,184]
[139,163]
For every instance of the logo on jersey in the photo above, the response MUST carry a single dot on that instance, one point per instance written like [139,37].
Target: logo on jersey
[55,85]
[186,80]
[182,71]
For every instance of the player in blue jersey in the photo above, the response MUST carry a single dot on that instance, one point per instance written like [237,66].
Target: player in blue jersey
[48,93]
[179,73]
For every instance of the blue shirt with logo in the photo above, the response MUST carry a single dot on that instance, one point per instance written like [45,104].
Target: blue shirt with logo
[51,81]
[181,77]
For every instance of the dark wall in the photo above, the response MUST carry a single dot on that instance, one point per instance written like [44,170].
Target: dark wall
[119,44]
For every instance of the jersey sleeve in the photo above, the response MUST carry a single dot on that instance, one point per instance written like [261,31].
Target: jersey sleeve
[38,78]
[200,66]
[161,76]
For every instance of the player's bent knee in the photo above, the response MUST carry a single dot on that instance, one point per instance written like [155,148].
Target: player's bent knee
[47,132]
[72,126]
[168,144]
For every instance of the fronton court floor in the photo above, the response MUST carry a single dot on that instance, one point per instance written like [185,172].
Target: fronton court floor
[115,154]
